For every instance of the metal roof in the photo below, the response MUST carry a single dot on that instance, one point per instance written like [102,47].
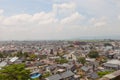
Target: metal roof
[61,76]
[13,59]
[67,74]
[114,61]
[85,68]
[54,77]
[111,65]
[3,63]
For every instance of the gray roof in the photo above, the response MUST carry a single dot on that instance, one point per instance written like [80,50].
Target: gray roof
[60,76]
[67,74]
[84,68]
[54,77]
[94,75]
[63,65]
[13,59]
[2,64]
[110,65]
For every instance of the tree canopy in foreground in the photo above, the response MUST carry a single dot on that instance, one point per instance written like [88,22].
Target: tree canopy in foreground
[14,72]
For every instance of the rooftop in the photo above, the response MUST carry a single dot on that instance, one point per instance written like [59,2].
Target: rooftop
[114,61]
[2,64]
[54,77]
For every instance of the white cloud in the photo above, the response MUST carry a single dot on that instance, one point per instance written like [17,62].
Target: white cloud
[43,18]
[119,17]
[98,7]
[24,19]
[19,19]
[64,9]
[65,20]
[75,17]
[117,2]
[65,6]
[98,22]
[1,11]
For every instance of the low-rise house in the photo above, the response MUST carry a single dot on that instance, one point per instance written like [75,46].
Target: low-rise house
[112,64]
[70,56]
[111,55]
[90,60]
[2,59]
[117,56]
[108,48]
[18,61]
[13,59]
[2,64]
[93,76]
[67,67]
[68,75]
[54,77]
[53,58]
[86,69]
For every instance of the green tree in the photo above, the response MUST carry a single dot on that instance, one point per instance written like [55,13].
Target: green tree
[14,72]
[71,45]
[1,55]
[19,54]
[26,54]
[82,60]
[93,54]
[108,44]
[32,56]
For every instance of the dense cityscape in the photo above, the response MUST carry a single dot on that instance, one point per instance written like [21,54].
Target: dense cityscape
[60,60]
[59,39]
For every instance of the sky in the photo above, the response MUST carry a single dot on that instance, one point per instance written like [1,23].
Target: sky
[59,19]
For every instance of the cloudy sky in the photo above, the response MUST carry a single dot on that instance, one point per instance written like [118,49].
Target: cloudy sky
[59,19]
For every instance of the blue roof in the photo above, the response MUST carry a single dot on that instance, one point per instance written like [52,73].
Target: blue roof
[35,75]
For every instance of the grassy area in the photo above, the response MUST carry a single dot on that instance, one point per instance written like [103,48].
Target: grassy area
[102,73]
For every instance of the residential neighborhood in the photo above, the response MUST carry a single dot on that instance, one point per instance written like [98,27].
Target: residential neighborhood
[64,60]
[59,39]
